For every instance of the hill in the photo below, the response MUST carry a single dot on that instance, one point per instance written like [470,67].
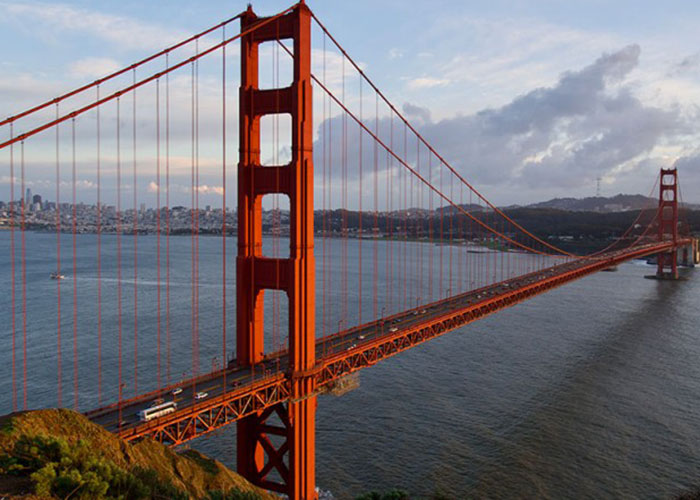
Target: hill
[617,203]
[60,454]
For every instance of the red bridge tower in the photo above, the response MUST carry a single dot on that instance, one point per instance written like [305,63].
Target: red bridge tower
[667,262]
[293,423]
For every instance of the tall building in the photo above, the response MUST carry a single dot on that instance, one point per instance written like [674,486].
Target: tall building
[28,196]
[36,199]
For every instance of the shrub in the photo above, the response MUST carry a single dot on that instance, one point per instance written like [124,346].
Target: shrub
[63,470]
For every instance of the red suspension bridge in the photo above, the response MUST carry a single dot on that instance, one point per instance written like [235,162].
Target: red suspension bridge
[409,249]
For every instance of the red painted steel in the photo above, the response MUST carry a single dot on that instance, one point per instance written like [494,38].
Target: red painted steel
[275,412]
[667,262]
[257,455]
[275,389]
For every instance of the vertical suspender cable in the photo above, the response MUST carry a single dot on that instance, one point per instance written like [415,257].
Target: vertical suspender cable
[24,287]
[359,240]
[375,229]
[387,230]
[330,177]
[167,223]
[224,357]
[324,290]
[192,230]
[75,275]
[158,257]
[431,243]
[345,202]
[405,224]
[442,239]
[136,247]
[99,254]
[451,238]
[58,262]
[119,257]
[12,268]
[419,227]
[196,194]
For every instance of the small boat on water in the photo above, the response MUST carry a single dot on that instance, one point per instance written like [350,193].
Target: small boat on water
[56,276]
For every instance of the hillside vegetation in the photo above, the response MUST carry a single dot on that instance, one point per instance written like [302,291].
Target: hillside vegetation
[61,454]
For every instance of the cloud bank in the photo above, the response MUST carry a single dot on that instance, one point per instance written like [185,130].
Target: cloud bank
[553,139]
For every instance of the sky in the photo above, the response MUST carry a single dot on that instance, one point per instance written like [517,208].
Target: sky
[528,100]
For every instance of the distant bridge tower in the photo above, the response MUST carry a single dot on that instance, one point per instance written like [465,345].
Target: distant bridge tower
[280,440]
[667,262]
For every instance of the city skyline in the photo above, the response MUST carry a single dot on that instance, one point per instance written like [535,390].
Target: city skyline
[524,104]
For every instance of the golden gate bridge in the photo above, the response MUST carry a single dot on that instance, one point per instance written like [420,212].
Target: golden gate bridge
[437,254]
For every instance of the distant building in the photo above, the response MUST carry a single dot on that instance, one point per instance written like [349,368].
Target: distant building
[28,196]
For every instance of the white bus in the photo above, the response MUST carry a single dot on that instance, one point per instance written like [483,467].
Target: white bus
[157,411]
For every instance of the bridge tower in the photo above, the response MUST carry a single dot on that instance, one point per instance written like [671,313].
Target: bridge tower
[259,453]
[667,262]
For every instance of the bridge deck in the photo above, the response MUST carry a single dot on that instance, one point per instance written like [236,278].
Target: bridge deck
[236,392]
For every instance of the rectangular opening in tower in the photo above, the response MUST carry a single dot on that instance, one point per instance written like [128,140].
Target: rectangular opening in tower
[275,66]
[275,139]
[275,226]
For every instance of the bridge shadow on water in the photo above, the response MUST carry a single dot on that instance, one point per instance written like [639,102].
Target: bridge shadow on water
[612,423]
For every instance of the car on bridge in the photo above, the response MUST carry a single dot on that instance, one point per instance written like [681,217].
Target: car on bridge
[201,395]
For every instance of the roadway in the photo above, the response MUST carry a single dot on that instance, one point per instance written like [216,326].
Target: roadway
[234,380]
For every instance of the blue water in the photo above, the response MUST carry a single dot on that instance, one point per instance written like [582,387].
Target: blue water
[588,391]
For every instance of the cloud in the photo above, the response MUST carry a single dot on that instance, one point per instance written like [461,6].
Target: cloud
[25,88]
[689,171]
[551,139]
[583,127]
[128,33]
[416,113]
[426,82]
[395,53]
[93,67]
[218,190]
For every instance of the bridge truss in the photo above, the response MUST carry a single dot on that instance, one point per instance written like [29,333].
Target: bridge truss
[437,254]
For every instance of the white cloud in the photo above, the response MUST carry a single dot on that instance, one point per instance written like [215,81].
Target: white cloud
[20,87]
[427,82]
[218,190]
[93,67]
[128,33]
[395,53]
